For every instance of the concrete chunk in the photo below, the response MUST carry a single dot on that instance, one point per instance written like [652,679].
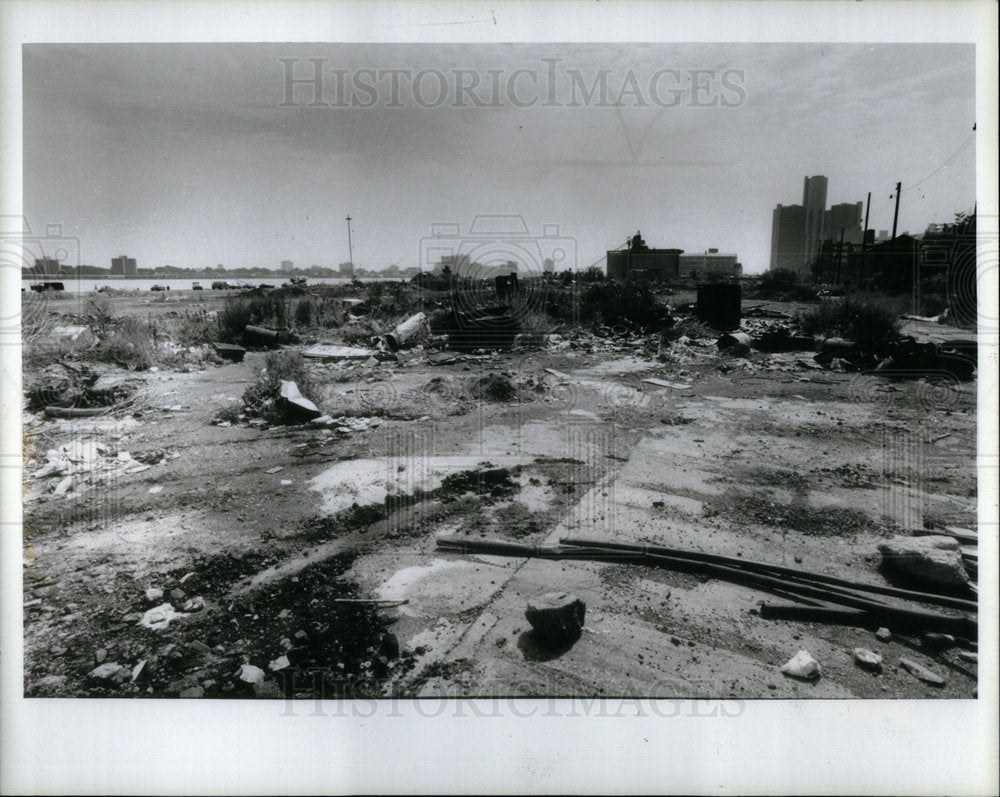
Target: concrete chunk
[934,559]
[557,617]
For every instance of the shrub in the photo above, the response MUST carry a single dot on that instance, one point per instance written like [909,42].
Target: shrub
[869,320]
[261,398]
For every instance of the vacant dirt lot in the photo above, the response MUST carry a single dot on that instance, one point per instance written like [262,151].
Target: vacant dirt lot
[305,554]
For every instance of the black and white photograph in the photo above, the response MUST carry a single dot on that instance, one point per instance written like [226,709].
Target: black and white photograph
[420,372]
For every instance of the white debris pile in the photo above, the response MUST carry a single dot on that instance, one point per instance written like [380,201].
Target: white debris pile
[78,464]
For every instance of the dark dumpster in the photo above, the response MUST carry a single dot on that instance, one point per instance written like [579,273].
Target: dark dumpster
[719,305]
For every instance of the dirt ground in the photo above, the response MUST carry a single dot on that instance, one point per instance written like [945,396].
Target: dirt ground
[312,547]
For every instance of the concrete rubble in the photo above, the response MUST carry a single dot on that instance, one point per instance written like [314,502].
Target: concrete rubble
[802,666]
[557,617]
[932,559]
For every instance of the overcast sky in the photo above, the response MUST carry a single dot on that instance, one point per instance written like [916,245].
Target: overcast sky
[183,154]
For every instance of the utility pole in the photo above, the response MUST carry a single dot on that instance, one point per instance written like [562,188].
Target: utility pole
[895,216]
[864,239]
[864,244]
[350,246]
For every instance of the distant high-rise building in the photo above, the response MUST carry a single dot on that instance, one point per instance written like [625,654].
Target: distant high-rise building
[124,266]
[46,265]
[346,268]
[814,201]
[788,238]
[287,265]
[549,266]
[847,217]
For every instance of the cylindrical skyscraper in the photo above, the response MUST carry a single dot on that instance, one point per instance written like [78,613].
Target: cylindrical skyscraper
[814,201]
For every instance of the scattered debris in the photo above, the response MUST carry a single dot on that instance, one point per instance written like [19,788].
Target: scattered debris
[160,617]
[261,336]
[802,666]
[230,351]
[868,659]
[406,331]
[557,617]
[297,402]
[921,672]
[883,634]
[280,663]
[736,343]
[195,604]
[138,670]
[154,594]
[81,335]
[323,351]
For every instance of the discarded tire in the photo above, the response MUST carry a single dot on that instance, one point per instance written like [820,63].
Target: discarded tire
[556,617]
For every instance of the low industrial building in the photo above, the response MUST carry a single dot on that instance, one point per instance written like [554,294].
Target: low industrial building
[710,266]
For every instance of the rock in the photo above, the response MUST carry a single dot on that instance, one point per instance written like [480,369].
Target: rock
[105,673]
[868,659]
[154,595]
[177,594]
[557,617]
[921,672]
[200,647]
[933,559]
[883,634]
[100,655]
[802,666]
[969,656]
[279,663]
[193,691]
[186,577]
[194,604]
[251,675]
[301,635]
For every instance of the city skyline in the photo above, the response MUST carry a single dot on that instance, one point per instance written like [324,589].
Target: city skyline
[184,154]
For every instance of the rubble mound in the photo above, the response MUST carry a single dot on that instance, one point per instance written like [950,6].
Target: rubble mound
[494,387]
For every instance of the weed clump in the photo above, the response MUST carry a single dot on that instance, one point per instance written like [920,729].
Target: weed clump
[127,342]
[870,321]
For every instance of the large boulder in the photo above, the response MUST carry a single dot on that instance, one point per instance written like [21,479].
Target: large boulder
[933,559]
[556,617]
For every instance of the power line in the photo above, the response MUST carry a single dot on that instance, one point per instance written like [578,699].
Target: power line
[952,157]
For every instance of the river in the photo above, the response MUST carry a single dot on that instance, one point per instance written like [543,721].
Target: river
[88,285]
